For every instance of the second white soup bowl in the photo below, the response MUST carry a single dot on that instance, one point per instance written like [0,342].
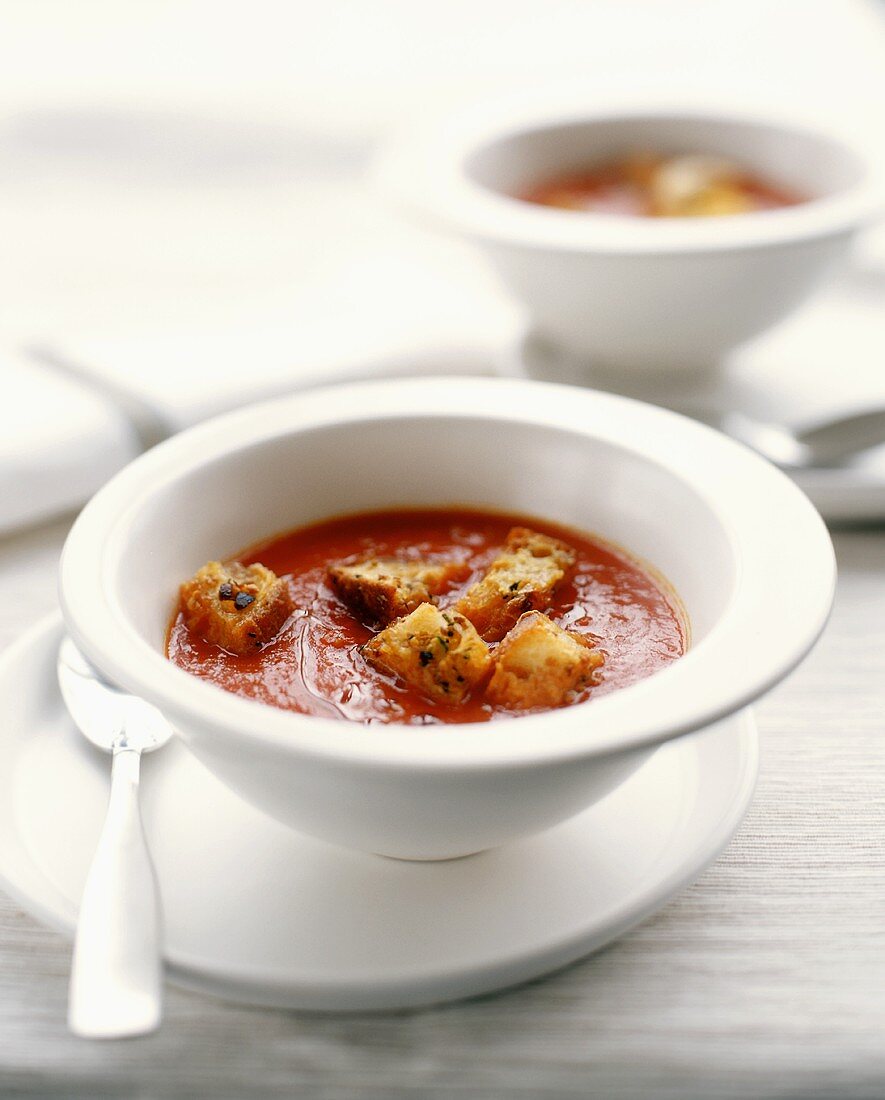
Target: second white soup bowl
[633,294]
[743,548]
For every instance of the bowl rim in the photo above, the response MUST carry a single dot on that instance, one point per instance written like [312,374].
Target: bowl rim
[427,173]
[766,517]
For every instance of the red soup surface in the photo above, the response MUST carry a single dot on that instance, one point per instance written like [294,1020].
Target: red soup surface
[314,665]
[649,186]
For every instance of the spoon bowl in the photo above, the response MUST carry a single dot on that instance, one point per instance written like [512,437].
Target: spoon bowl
[104,714]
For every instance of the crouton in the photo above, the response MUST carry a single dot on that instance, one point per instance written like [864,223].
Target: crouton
[698,186]
[522,578]
[436,651]
[538,664]
[237,607]
[383,589]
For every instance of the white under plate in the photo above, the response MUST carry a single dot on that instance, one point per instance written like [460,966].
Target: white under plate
[777,382]
[260,914]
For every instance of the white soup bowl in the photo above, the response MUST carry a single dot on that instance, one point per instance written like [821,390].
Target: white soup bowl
[746,552]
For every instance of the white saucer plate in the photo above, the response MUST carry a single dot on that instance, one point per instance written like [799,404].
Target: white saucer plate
[259,914]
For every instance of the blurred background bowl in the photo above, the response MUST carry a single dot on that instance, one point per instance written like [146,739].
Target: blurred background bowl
[633,293]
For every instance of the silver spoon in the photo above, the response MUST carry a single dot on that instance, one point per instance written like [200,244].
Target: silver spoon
[117,972]
[830,442]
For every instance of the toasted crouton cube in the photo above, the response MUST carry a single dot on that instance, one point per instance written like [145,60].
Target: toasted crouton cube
[237,607]
[538,664]
[436,651]
[383,589]
[697,186]
[522,578]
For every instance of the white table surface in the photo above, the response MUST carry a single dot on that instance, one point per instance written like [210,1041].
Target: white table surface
[765,979]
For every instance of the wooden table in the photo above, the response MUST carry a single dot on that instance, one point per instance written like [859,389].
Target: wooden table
[765,979]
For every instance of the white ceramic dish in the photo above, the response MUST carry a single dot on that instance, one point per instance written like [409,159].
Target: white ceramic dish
[748,554]
[640,294]
[258,913]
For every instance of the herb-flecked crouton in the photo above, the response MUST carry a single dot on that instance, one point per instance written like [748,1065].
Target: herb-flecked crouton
[436,651]
[538,664]
[383,589]
[522,578]
[237,607]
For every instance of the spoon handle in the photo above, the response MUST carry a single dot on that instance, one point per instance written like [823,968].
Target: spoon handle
[845,436]
[116,976]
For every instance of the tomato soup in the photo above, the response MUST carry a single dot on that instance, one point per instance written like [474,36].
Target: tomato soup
[644,185]
[315,663]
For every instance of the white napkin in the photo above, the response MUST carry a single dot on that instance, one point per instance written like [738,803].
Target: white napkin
[59,442]
[382,313]
[85,406]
